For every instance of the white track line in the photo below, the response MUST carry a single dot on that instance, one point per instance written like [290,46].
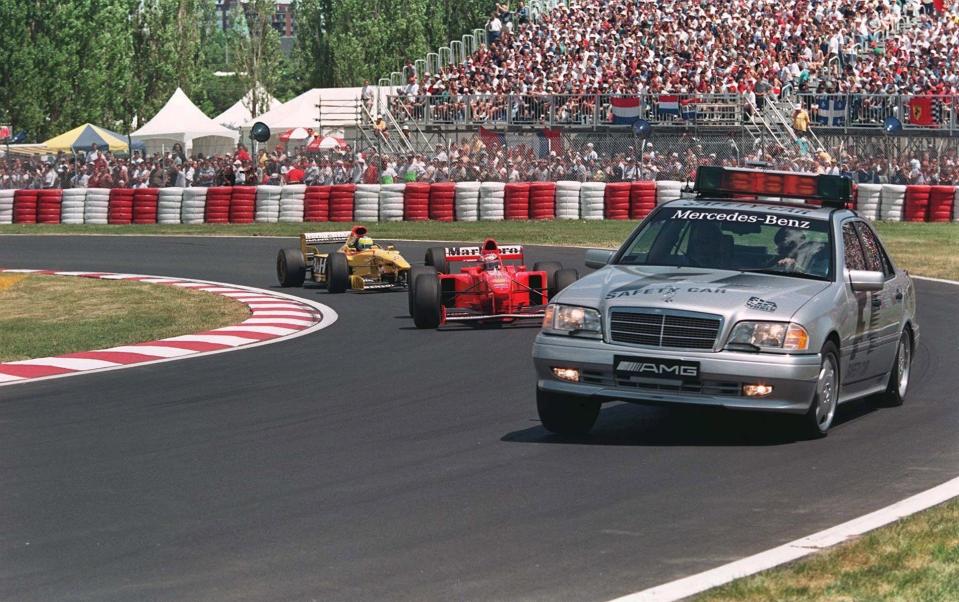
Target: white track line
[700,582]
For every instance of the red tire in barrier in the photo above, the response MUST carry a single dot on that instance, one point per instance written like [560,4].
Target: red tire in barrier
[120,208]
[416,202]
[25,206]
[242,204]
[145,205]
[442,201]
[516,200]
[941,201]
[642,198]
[316,204]
[542,200]
[48,206]
[341,202]
[916,204]
[217,209]
[616,200]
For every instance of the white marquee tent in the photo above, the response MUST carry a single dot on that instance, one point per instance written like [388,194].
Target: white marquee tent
[237,115]
[182,121]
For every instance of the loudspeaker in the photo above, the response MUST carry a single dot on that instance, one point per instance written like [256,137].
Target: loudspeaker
[260,132]
[891,126]
[642,129]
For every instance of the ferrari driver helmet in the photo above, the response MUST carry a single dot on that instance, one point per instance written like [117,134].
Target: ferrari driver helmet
[364,243]
[491,262]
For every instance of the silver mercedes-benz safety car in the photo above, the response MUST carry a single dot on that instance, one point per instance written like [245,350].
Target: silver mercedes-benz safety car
[742,303]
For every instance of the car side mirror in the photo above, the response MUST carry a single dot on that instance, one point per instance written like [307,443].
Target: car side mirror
[863,281]
[597,258]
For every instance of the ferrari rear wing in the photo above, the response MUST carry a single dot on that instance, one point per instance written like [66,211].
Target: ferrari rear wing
[505,252]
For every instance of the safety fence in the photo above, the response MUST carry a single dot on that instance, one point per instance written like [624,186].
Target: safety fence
[445,202]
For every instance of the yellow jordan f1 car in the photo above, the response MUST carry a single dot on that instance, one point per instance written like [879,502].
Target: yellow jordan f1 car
[359,265]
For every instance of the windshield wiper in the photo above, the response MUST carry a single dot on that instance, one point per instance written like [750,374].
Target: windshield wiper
[782,273]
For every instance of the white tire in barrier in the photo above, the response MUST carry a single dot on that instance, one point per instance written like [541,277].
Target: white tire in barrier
[466,201]
[567,199]
[668,190]
[892,198]
[169,205]
[366,203]
[267,204]
[291,203]
[492,196]
[868,200]
[72,205]
[391,202]
[592,200]
[193,208]
[6,206]
[96,206]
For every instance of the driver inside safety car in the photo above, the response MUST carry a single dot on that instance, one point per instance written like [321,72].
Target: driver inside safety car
[491,262]
[364,243]
[788,241]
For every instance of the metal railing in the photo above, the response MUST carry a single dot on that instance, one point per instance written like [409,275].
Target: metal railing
[868,111]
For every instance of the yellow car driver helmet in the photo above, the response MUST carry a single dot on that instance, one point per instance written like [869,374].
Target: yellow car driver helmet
[364,243]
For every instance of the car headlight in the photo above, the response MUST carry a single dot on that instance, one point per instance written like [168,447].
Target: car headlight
[572,320]
[762,336]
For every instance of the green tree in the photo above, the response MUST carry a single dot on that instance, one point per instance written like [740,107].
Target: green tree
[255,46]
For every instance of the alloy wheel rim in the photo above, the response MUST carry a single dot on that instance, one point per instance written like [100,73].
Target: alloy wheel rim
[903,367]
[826,395]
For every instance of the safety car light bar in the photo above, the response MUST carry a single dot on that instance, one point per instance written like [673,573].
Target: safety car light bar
[715,181]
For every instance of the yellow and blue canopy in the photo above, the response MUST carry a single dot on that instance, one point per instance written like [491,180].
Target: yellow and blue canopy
[85,136]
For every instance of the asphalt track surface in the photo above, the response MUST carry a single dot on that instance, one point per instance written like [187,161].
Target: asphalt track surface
[372,461]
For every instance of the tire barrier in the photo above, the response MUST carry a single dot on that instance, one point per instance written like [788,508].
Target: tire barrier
[542,200]
[868,200]
[193,209]
[316,204]
[366,203]
[391,202]
[466,201]
[25,206]
[96,208]
[891,200]
[668,190]
[915,206]
[120,211]
[267,208]
[243,204]
[217,208]
[341,202]
[48,206]
[292,204]
[592,200]
[567,199]
[941,203]
[6,206]
[72,206]
[170,206]
[492,201]
[955,207]
[516,201]
[416,202]
[616,202]
[145,201]
[443,201]
[642,198]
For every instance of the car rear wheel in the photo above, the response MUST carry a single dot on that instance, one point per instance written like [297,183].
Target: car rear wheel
[822,411]
[426,301]
[436,257]
[415,271]
[895,392]
[290,267]
[337,273]
[563,279]
[566,414]
[550,267]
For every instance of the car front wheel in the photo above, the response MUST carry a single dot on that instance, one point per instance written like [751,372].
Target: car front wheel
[822,411]
[566,414]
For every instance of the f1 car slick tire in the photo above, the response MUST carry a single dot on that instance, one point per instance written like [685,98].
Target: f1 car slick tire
[415,271]
[436,257]
[569,415]
[816,422]
[562,279]
[426,301]
[337,273]
[895,392]
[550,267]
[290,267]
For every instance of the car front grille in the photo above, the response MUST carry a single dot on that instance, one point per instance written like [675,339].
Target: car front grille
[656,329]
[706,387]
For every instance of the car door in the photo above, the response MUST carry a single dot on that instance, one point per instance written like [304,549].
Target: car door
[886,305]
[857,314]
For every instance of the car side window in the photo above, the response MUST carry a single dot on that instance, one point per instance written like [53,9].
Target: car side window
[875,258]
[855,260]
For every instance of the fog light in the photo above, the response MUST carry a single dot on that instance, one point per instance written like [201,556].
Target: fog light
[567,374]
[757,390]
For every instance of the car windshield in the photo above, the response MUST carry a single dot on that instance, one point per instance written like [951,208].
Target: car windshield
[734,239]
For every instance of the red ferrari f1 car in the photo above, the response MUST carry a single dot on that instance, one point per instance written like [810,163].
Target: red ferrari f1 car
[490,286]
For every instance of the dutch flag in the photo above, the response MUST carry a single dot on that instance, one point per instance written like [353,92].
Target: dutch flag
[625,110]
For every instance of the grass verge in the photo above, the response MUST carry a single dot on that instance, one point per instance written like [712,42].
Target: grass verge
[42,316]
[916,558]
